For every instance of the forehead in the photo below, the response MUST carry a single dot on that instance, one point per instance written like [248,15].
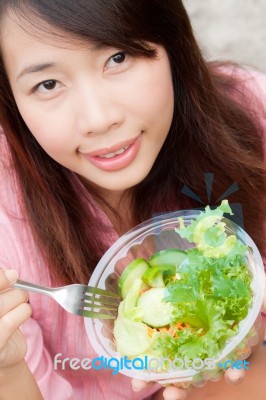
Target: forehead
[31,33]
[23,42]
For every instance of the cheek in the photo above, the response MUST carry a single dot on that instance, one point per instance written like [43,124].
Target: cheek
[159,107]
[157,97]
[46,129]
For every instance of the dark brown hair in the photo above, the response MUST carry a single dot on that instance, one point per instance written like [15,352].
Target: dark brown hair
[213,130]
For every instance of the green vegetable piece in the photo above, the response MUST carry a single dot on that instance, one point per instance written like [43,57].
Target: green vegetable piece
[130,301]
[223,287]
[131,337]
[164,265]
[156,312]
[169,257]
[208,233]
[133,271]
[153,277]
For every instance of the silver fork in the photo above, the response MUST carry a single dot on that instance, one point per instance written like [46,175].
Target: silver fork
[78,299]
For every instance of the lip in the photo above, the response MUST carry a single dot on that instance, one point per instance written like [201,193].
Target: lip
[118,162]
[112,149]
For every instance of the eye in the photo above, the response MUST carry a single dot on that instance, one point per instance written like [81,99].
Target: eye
[117,58]
[46,86]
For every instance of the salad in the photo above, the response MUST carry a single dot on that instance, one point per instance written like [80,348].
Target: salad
[185,303]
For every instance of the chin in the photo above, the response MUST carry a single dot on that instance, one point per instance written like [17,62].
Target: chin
[123,185]
[120,180]
[120,187]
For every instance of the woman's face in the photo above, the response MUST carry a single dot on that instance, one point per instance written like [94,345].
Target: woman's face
[98,111]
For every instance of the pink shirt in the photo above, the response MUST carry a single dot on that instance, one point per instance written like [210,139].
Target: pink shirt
[51,330]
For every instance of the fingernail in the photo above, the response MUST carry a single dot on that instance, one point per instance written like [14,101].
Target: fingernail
[236,380]
[173,393]
[139,385]
[11,275]
[174,398]
[135,387]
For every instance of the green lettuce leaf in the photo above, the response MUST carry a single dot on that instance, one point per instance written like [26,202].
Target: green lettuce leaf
[208,233]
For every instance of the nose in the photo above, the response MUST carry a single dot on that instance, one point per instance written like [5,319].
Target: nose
[98,110]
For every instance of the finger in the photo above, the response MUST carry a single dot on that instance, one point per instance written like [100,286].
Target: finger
[7,278]
[234,376]
[11,321]
[11,299]
[138,384]
[264,301]
[173,393]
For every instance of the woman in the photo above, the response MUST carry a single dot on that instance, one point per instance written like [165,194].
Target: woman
[107,108]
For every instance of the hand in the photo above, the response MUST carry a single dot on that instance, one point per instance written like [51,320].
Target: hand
[169,393]
[14,311]
[233,376]
[173,392]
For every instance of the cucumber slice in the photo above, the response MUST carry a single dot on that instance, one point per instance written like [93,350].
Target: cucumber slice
[153,277]
[156,311]
[163,267]
[133,271]
[173,257]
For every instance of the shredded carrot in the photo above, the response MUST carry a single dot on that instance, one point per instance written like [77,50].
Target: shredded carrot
[172,331]
[150,331]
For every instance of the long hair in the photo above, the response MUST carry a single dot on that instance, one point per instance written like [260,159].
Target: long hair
[211,130]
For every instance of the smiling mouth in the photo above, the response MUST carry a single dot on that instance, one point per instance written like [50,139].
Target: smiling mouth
[115,153]
[116,157]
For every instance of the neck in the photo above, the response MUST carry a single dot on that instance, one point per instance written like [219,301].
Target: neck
[120,203]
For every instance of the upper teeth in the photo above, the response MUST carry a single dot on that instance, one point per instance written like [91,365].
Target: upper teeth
[115,153]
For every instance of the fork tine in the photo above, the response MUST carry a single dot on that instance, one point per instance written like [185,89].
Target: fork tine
[101,300]
[105,307]
[91,301]
[92,314]
[90,289]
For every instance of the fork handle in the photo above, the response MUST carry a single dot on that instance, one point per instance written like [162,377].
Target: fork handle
[32,287]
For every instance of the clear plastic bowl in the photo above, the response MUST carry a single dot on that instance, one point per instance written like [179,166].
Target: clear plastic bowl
[143,241]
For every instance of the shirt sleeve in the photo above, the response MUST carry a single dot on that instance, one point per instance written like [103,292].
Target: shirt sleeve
[51,384]
[258,85]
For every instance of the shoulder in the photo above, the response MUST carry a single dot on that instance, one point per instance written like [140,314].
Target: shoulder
[241,80]
[253,85]
[247,87]
[253,81]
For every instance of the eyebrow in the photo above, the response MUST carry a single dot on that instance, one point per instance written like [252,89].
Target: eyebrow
[35,68]
[44,66]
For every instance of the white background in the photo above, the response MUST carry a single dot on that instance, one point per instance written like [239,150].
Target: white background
[230,29]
